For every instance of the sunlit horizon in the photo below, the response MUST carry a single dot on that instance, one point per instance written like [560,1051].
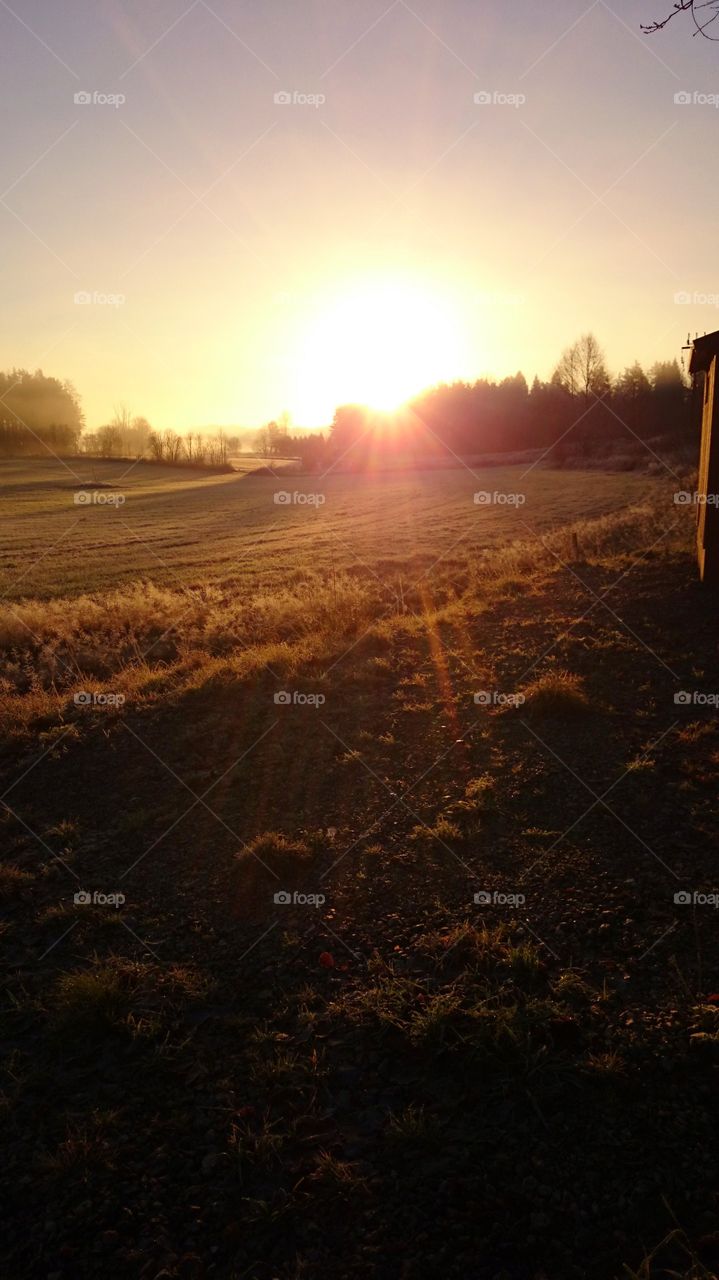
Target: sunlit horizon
[277,212]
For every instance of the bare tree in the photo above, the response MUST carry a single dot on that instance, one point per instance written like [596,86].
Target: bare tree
[582,370]
[217,449]
[593,376]
[131,434]
[262,442]
[109,441]
[566,374]
[122,419]
[157,446]
[138,437]
[172,445]
[194,447]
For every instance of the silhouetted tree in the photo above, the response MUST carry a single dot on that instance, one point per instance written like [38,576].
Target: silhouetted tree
[216,448]
[633,392]
[350,427]
[272,440]
[109,441]
[311,450]
[671,397]
[38,414]
[172,445]
[581,370]
[195,448]
[633,384]
[124,436]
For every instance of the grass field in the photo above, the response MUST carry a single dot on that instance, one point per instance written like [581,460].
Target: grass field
[480,1040]
[176,528]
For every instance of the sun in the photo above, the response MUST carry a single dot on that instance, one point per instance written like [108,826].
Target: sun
[377,342]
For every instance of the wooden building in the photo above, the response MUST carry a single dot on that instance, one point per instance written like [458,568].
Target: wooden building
[703,361]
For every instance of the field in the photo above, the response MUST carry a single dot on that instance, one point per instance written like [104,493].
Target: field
[340,851]
[176,528]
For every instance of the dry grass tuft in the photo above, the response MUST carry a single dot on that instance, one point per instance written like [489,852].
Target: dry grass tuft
[13,882]
[559,694]
[92,1002]
[286,859]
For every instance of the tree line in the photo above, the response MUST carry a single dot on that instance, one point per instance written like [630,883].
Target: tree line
[41,414]
[37,413]
[129,436]
[580,409]
[275,440]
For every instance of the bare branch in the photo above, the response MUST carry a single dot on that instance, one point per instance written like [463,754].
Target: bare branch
[702,21]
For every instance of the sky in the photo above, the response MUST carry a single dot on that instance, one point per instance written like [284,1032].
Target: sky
[286,206]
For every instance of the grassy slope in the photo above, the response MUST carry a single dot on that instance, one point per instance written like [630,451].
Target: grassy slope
[397,1083]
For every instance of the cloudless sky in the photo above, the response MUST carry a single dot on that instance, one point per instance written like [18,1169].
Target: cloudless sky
[255,243]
